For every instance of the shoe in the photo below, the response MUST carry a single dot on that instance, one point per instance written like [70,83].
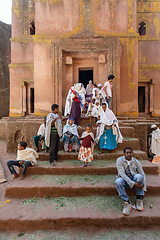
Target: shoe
[83,165]
[139,205]
[87,165]
[127,208]
[52,164]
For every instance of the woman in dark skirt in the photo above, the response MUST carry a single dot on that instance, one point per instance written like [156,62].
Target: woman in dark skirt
[76,106]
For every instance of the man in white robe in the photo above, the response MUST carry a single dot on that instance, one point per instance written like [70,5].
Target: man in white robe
[155,142]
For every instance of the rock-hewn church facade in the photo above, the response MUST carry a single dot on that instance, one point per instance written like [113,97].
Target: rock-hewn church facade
[56,43]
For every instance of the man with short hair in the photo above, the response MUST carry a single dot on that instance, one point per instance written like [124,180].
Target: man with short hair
[130,174]
[53,133]
[108,90]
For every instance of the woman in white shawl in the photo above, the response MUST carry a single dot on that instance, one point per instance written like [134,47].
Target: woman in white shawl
[108,133]
[70,136]
[76,106]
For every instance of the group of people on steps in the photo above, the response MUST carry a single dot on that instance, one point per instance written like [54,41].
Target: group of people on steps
[130,171]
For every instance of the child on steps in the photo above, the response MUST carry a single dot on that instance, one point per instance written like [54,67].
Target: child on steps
[86,150]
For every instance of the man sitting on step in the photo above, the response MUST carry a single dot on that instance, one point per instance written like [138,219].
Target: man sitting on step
[40,137]
[26,157]
[130,174]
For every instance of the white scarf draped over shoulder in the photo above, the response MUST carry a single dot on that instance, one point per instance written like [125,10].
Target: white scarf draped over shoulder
[85,134]
[108,118]
[70,128]
[58,125]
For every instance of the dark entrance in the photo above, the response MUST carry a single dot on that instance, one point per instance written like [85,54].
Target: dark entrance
[141,99]
[85,76]
[32,100]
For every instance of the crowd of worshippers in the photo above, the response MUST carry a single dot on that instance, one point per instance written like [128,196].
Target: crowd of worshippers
[92,98]
[108,135]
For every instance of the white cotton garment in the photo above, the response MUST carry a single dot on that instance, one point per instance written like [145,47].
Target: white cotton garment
[27,154]
[41,130]
[155,144]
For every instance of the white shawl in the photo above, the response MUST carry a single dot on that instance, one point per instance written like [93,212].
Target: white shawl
[58,125]
[108,118]
[68,104]
[155,143]
[70,128]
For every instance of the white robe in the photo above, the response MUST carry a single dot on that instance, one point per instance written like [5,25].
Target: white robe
[68,104]
[58,125]
[41,131]
[28,154]
[108,118]
[155,143]
[95,112]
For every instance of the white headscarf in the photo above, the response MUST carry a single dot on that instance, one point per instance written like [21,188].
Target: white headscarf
[70,128]
[107,118]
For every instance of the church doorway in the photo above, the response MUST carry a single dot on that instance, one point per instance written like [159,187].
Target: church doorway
[144,98]
[85,75]
[141,99]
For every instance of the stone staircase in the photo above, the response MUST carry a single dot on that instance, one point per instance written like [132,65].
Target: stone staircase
[68,196]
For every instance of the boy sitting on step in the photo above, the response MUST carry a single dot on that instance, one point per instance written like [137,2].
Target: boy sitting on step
[26,157]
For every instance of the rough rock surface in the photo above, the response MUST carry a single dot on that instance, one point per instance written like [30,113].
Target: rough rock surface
[5,55]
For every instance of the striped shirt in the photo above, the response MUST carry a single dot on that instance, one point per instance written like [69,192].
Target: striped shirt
[53,129]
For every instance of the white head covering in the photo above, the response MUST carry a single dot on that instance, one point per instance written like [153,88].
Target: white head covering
[99,85]
[78,87]
[154,126]
[90,81]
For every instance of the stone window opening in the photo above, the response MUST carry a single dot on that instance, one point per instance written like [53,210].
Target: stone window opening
[32,28]
[142,28]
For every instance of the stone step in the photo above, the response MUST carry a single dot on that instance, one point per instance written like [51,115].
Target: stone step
[72,185]
[98,212]
[127,142]
[74,168]
[140,155]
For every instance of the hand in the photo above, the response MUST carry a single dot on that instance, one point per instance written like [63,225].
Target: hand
[139,185]
[79,138]
[58,117]
[108,97]
[21,162]
[41,138]
[94,144]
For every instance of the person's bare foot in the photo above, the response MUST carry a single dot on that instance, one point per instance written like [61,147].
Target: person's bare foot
[23,177]
[15,176]
[113,150]
[100,152]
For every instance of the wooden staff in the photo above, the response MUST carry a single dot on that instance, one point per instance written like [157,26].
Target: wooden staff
[91,109]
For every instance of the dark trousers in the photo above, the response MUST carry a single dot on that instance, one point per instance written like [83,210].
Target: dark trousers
[12,163]
[36,139]
[54,147]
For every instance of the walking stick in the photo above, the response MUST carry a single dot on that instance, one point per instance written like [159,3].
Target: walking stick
[91,109]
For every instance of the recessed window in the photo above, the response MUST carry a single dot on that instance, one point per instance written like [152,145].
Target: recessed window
[142,28]
[32,28]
